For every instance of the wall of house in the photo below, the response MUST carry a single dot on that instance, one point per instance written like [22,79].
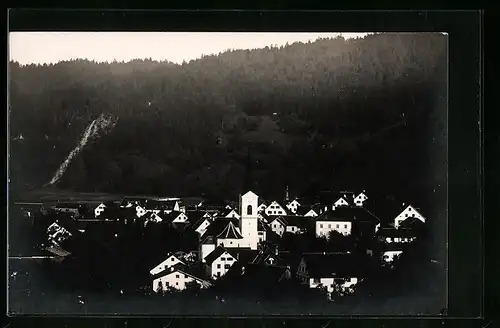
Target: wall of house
[180,218]
[390,256]
[205,250]
[202,228]
[329,283]
[408,212]
[293,206]
[140,211]
[311,213]
[230,242]
[275,209]
[233,214]
[293,229]
[99,209]
[391,240]
[169,262]
[341,202]
[277,228]
[177,280]
[262,236]
[323,228]
[221,265]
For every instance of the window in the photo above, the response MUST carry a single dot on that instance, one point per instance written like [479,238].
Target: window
[329,226]
[231,242]
[167,284]
[249,210]
[229,259]
[321,226]
[406,215]
[226,266]
[177,284]
[337,226]
[222,258]
[274,225]
[345,226]
[218,274]
[177,276]
[218,266]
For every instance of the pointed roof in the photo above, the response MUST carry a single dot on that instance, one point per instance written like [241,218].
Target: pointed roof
[249,193]
[215,254]
[230,232]
[195,216]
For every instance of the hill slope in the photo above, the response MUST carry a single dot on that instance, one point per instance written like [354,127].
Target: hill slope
[357,113]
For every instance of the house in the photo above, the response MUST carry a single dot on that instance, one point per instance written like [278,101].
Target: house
[72,208]
[332,271]
[275,209]
[178,277]
[333,221]
[99,209]
[408,212]
[278,226]
[360,199]
[218,262]
[202,225]
[176,217]
[230,236]
[262,207]
[152,217]
[308,211]
[392,252]
[390,235]
[293,206]
[133,201]
[229,213]
[169,262]
[296,224]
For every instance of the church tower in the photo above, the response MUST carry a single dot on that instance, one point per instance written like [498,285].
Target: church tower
[249,220]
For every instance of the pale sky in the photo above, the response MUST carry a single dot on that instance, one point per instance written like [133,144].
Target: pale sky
[52,47]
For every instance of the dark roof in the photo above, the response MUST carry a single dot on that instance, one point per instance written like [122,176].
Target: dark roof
[195,216]
[133,200]
[242,254]
[230,232]
[215,254]
[214,203]
[218,225]
[392,232]
[196,271]
[67,205]
[385,207]
[330,197]
[333,265]
[262,226]
[297,221]
[198,223]
[395,247]
[348,213]
[112,212]
[411,222]
[302,210]
[170,216]
[225,212]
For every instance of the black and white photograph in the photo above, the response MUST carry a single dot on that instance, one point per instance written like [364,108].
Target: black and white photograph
[227,173]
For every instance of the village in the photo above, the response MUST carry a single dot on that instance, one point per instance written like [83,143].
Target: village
[251,239]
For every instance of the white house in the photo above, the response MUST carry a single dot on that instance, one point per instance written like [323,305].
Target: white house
[177,277]
[341,202]
[219,262]
[230,213]
[99,209]
[202,225]
[178,217]
[278,226]
[360,199]
[207,246]
[330,221]
[230,237]
[140,211]
[408,212]
[168,263]
[261,208]
[293,206]
[275,209]
[332,271]
[307,211]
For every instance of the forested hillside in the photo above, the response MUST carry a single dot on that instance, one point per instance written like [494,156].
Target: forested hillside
[335,113]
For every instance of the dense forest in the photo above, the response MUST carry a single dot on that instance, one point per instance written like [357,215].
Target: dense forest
[334,113]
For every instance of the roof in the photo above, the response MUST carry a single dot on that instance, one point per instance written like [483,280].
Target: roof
[394,247]
[331,196]
[351,213]
[170,216]
[303,210]
[242,254]
[133,200]
[215,254]
[198,223]
[195,216]
[411,222]
[226,212]
[230,232]
[385,207]
[58,251]
[332,265]
[67,205]
[392,232]
[214,203]
[195,271]
[298,221]
[218,225]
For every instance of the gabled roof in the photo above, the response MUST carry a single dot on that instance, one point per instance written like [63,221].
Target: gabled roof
[411,223]
[170,216]
[194,271]
[249,192]
[348,213]
[226,212]
[297,221]
[230,232]
[215,254]
[303,210]
[278,219]
[332,265]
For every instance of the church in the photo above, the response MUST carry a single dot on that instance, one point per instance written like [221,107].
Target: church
[230,233]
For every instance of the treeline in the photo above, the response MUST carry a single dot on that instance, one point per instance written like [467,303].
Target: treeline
[354,113]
